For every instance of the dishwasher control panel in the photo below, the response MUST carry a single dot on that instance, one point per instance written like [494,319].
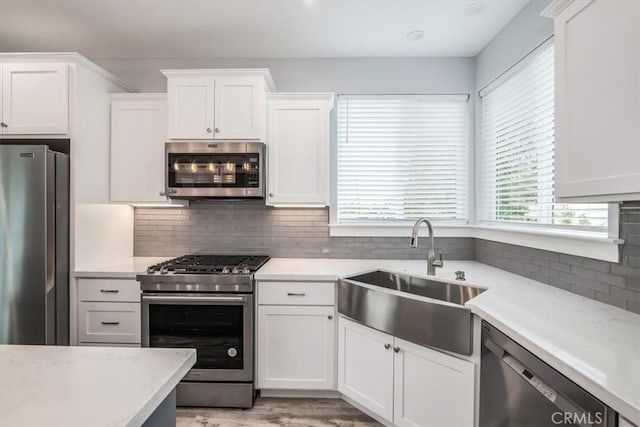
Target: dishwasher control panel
[532,379]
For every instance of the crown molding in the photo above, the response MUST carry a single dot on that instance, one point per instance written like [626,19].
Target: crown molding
[71,57]
[249,72]
[555,7]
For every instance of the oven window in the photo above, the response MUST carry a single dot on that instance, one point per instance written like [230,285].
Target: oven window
[216,332]
[214,171]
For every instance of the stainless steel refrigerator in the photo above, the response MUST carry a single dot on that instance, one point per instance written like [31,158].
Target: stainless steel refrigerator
[34,245]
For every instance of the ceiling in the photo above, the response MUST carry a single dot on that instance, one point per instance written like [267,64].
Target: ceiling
[252,28]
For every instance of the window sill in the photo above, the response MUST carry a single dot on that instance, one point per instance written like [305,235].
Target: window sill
[584,244]
[397,230]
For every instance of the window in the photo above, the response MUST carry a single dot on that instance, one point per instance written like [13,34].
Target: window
[516,152]
[402,157]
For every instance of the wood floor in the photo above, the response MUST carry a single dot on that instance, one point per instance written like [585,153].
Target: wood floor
[272,412]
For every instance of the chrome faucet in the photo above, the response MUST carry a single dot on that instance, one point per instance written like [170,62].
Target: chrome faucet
[432,262]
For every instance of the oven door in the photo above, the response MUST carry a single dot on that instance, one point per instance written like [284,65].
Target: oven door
[218,326]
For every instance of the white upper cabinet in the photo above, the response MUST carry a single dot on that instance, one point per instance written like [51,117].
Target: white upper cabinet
[138,134]
[298,149]
[191,107]
[217,104]
[35,98]
[597,86]
[239,108]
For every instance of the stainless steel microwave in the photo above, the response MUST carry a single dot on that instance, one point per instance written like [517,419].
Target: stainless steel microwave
[208,170]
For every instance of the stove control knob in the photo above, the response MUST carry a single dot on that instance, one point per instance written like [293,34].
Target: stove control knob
[246,270]
[235,270]
[225,270]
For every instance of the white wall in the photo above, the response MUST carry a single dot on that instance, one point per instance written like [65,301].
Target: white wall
[340,75]
[104,234]
[521,35]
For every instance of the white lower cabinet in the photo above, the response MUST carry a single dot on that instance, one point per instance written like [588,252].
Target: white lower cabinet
[103,322]
[296,334]
[109,312]
[365,367]
[402,382]
[431,388]
[296,347]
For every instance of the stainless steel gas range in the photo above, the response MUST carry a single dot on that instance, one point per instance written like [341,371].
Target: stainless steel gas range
[205,302]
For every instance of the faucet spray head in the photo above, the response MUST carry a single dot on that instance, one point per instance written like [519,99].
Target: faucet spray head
[413,242]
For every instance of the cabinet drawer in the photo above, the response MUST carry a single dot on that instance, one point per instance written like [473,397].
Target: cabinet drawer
[113,290]
[296,293]
[101,322]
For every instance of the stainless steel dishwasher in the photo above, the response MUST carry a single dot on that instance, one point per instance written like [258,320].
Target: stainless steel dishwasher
[517,389]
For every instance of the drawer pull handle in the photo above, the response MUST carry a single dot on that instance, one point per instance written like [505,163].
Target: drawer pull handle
[109,291]
[110,323]
[296,294]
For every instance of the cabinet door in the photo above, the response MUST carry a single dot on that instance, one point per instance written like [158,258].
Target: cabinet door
[239,108]
[35,98]
[598,100]
[296,347]
[431,388]
[298,146]
[191,106]
[138,134]
[365,367]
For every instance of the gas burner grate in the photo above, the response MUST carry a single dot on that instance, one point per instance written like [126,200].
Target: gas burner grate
[209,264]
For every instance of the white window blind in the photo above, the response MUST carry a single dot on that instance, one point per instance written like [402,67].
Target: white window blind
[402,157]
[515,179]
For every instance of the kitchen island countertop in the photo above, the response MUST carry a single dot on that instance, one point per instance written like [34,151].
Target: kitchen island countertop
[86,386]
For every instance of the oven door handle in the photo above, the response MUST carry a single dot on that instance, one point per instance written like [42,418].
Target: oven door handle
[181,299]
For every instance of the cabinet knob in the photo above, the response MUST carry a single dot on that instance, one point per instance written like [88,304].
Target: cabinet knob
[217,130]
[270,194]
[4,125]
[162,193]
[387,346]
[329,317]
[396,349]
[208,130]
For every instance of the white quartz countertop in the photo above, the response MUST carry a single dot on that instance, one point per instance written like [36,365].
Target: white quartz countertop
[594,344]
[86,386]
[124,268]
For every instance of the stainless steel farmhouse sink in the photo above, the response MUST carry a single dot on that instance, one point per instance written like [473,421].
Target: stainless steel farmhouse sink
[365,298]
